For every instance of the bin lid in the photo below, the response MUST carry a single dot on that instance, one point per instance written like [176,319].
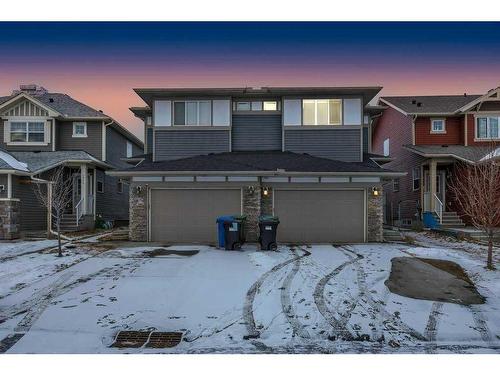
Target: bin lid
[269,218]
[240,217]
[226,218]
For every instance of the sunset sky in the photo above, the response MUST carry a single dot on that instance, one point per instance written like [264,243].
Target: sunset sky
[100,63]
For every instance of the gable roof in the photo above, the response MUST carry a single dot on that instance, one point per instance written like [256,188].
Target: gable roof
[261,162]
[464,153]
[433,104]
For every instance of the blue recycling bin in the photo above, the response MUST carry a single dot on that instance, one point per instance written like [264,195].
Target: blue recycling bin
[221,231]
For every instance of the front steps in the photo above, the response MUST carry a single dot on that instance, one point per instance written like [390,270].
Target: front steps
[450,220]
[68,223]
[392,235]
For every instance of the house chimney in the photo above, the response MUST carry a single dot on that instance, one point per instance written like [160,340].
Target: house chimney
[413,101]
[465,94]
[419,104]
[31,89]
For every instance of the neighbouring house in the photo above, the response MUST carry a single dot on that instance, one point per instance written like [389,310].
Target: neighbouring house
[426,136]
[300,153]
[40,131]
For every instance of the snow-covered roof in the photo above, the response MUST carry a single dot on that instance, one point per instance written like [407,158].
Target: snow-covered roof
[8,161]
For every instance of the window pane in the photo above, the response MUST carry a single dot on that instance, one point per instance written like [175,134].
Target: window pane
[243,106]
[493,128]
[36,126]
[18,126]
[335,112]
[482,128]
[322,112]
[256,106]
[192,113]
[270,106]
[179,113]
[437,125]
[18,137]
[308,112]
[35,137]
[205,113]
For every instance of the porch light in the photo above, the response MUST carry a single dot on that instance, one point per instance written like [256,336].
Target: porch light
[375,191]
[265,191]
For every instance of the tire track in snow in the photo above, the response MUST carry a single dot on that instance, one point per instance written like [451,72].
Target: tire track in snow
[432,326]
[286,299]
[248,312]
[339,329]
[384,314]
[480,323]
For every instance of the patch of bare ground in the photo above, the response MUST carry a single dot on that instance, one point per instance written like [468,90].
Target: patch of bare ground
[432,279]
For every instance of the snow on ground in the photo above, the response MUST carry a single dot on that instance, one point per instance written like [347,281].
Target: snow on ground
[314,299]
[13,248]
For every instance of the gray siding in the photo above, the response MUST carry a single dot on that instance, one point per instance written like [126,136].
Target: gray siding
[338,144]
[91,144]
[176,144]
[111,204]
[256,132]
[3,145]
[365,139]
[33,216]
[116,148]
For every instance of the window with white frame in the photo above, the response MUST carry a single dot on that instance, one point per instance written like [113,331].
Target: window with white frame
[387,147]
[243,106]
[79,129]
[193,113]
[129,149]
[322,111]
[438,125]
[395,185]
[416,178]
[270,105]
[256,106]
[27,131]
[487,128]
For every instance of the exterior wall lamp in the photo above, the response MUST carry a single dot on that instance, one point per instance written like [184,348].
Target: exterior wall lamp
[265,191]
[375,191]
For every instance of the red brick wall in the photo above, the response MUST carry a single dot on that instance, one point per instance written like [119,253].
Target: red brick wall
[454,132]
[398,128]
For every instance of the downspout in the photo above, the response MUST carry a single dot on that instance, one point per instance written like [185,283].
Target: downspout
[413,136]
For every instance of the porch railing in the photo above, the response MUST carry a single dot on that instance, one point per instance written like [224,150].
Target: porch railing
[438,208]
[79,211]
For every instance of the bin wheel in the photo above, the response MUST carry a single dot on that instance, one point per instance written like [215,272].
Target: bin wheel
[237,246]
[273,247]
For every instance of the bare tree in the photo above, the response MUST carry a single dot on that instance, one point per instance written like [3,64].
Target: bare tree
[56,197]
[476,188]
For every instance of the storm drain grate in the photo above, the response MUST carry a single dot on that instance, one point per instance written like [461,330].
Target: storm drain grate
[152,340]
[131,339]
[160,340]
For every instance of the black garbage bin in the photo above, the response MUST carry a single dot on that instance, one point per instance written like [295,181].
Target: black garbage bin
[242,220]
[268,226]
[232,229]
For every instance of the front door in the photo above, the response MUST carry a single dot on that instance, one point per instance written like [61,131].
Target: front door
[440,188]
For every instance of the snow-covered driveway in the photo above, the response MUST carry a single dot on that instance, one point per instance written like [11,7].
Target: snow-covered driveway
[318,299]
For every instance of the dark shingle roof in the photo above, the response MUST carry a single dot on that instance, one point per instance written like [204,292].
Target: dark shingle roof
[38,161]
[255,161]
[439,104]
[468,153]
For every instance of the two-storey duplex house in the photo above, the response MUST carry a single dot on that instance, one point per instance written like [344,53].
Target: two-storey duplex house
[426,136]
[300,153]
[40,131]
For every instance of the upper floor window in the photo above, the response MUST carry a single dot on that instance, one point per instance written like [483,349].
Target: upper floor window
[322,111]
[129,149]
[387,150]
[487,128]
[256,105]
[438,126]
[27,131]
[193,113]
[79,129]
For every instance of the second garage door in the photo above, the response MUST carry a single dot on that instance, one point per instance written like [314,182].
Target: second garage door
[320,216]
[188,215]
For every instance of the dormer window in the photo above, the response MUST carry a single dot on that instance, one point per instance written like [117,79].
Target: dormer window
[79,130]
[438,126]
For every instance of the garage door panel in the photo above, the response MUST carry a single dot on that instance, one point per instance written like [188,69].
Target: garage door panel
[188,215]
[320,216]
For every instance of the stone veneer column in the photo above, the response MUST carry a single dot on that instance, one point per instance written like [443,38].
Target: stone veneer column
[266,203]
[138,214]
[375,216]
[9,219]
[251,208]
